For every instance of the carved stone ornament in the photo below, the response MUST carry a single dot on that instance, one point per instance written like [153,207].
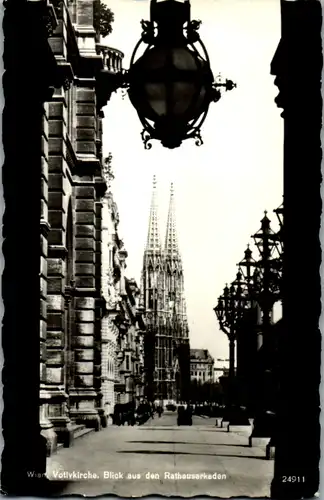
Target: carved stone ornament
[113,297]
[67,83]
[48,22]
[49,19]
[107,171]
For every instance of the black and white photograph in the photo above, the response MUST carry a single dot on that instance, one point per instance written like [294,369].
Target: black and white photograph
[161,240]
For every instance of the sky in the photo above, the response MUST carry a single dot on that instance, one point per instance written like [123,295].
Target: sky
[222,187]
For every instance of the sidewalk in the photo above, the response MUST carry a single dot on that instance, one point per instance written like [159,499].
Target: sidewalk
[132,461]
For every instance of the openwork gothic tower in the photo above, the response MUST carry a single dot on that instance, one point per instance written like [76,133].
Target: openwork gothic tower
[167,340]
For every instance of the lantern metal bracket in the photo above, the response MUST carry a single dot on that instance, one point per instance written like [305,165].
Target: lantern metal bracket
[148,33]
[146,138]
[192,31]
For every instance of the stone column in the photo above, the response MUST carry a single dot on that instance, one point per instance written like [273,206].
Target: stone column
[83,395]
[298,440]
[45,396]
[58,41]
[105,357]
[59,189]
[106,324]
[109,335]
[24,446]
[100,309]
[85,32]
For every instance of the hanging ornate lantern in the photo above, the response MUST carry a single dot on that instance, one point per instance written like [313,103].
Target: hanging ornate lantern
[171,84]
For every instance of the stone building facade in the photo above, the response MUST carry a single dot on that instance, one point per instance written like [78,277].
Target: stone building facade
[201,365]
[109,330]
[221,367]
[72,197]
[129,382]
[122,324]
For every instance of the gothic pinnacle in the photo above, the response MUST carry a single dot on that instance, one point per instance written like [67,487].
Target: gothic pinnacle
[171,239]
[153,237]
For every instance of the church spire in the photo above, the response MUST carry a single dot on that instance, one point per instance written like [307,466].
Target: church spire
[153,236]
[171,239]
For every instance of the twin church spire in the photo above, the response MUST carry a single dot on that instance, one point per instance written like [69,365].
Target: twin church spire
[163,298]
[153,238]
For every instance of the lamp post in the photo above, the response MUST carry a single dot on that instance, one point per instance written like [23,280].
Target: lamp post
[227,326]
[267,292]
[245,266]
[229,312]
[243,305]
[171,84]
[280,234]
[280,215]
[252,335]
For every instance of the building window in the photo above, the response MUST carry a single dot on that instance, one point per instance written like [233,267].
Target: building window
[127,362]
[199,374]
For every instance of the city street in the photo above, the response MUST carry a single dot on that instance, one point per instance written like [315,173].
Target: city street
[149,459]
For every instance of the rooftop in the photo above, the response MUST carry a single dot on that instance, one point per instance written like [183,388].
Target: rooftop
[201,354]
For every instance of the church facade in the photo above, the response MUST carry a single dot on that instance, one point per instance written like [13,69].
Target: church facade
[167,351]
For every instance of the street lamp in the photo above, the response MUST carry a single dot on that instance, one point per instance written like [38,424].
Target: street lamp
[224,326]
[270,268]
[225,316]
[267,284]
[171,84]
[229,311]
[280,216]
[245,266]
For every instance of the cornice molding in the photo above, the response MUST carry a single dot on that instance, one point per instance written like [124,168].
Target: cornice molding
[45,227]
[57,251]
[100,186]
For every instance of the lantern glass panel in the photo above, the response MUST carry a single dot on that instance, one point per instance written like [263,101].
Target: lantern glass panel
[182,96]
[170,81]
[155,59]
[183,59]
[156,96]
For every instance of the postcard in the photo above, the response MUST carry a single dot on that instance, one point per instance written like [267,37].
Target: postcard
[161,242]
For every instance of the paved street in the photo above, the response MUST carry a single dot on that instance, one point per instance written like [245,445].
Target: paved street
[161,449]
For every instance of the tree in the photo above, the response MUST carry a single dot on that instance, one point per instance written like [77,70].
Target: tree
[103,17]
[202,392]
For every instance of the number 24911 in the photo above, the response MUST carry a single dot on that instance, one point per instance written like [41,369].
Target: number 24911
[293,479]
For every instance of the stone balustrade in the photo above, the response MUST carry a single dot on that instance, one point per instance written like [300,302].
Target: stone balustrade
[112,58]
